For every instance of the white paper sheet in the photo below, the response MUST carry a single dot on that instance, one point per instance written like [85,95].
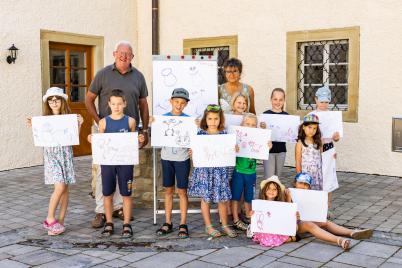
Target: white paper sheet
[115,148]
[55,130]
[252,142]
[274,217]
[214,150]
[233,120]
[330,122]
[284,127]
[173,131]
[330,180]
[312,205]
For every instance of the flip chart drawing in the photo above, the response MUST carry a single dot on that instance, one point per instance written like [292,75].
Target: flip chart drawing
[55,130]
[274,217]
[173,131]
[115,148]
[284,127]
[213,150]
[197,75]
[252,142]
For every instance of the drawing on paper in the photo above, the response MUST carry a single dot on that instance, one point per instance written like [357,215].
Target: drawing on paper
[283,134]
[254,147]
[213,154]
[196,77]
[172,125]
[169,79]
[240,138]
[260,216]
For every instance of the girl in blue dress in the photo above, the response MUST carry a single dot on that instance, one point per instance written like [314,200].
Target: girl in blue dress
[211,184]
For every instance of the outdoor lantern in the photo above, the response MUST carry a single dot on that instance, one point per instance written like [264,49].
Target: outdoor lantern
[13,54]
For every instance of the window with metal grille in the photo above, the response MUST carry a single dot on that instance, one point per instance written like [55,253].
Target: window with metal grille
[222,53]
[323,63]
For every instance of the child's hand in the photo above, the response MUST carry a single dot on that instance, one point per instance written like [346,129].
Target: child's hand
[151,120]
[251,213]
[197,122]
[237,148]
[263,125]
[89,138]
[141,138]
[80,119]
[336,136]
[269,144]
[29,121]
[334,155]
[190,152]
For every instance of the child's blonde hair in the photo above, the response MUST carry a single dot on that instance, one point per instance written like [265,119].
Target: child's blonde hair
[234,98]
[249,115]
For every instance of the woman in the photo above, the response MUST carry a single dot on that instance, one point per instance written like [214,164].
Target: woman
[233,68]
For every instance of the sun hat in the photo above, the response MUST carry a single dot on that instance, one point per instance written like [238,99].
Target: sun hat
[275,179]
[54,91]
[311,118]
[323,94]
[304,177]
[181,93]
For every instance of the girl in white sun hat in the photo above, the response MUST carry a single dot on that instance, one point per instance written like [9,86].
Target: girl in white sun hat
[58,163]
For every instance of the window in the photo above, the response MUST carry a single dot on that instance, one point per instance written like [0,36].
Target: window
[222,47]
[323,57]
[397,134]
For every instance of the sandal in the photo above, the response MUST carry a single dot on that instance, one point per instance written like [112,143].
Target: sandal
[127,231]
[227,229]
[214,234]
[183,233]
[54,228]
[162,231]
[343,243]
[108,231]
[240,225]
[362,234]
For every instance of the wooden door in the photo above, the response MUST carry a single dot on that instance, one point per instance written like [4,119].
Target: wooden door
[71,70]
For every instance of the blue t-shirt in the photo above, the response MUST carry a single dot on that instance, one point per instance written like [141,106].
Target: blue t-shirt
[174,153]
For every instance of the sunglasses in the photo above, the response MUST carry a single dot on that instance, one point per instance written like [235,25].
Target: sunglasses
[213,107]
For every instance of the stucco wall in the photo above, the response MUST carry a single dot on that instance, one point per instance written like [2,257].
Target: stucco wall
[261,27]
[20,83]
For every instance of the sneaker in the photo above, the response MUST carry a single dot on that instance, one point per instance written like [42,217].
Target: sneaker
[98,221]
[240,225]
[119,214]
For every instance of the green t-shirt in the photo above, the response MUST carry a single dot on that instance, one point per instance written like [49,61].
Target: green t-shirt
[246,165]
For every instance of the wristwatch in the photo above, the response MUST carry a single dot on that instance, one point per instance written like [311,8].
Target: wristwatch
[145,130]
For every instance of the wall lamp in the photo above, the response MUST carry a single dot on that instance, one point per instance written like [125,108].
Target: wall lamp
[13,54]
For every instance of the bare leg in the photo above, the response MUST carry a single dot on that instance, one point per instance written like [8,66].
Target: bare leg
[316,231]
[183,205]
[168,204]
[54,201]
[335,228]
[329,200]
[63,205]
[223,214]
[127,208]
[235,208]
[205,210]
[247,206]
[108,204]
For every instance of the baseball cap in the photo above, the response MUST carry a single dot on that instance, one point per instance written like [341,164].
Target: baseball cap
[304,177]
[323,94]
[311,118]
[181,93]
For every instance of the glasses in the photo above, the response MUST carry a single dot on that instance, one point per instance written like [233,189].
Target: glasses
[213,107]
[125,54]
[232,72]
[54,101]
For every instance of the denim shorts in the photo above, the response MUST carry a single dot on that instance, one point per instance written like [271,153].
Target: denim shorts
[179,170]
[243,183]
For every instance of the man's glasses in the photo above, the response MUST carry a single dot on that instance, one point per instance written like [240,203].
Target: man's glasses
[213,107]
[54,101]
[125,54]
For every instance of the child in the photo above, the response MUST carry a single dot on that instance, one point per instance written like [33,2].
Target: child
[176,163]
[211,184]
[327,231]
[277,154]
[308,150]
[117,122]
[273,190]
[239,103]
[244,178]
[58,163]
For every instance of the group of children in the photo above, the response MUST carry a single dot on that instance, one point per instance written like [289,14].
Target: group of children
[221,185]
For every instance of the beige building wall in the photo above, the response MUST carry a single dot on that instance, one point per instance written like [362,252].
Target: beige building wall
[261,27]
[20,83]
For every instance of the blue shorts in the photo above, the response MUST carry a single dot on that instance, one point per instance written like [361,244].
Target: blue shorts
[243,183]
[175,169]
[124,174]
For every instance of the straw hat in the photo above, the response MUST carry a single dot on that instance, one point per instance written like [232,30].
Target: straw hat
[275,179]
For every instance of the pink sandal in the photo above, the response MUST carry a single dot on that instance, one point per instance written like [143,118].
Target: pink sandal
[54,228]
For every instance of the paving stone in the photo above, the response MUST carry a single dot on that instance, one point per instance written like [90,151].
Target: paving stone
[168,259]
[76,261]
[5,256]
[398,254]
[231,256]
[18,249]
[288,247]
[375,249]
[259,261]
[117,263]
[277,264]
[359,259]
[136,256]
[38,257]
[201,252]
[390,265]
[12,264]
[275,253]
[102,254]
[300,261]
[333,264]
[395,260]
[198,264]
[317,252]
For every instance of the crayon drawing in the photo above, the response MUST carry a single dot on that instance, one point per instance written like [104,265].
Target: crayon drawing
[284,127]
[252,142]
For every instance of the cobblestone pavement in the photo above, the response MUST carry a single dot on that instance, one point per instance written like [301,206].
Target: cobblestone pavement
[364,201]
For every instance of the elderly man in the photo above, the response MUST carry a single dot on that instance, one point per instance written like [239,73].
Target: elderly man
[119,75]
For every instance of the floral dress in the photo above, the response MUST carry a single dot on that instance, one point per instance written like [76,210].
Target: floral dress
[311,164]
[210,183]
[270,240]
[58,164]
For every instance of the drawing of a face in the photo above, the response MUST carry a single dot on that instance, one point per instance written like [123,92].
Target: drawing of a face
[117,105]
[171,123]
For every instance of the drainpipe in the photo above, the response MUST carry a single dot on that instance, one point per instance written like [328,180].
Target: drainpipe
[155,27]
